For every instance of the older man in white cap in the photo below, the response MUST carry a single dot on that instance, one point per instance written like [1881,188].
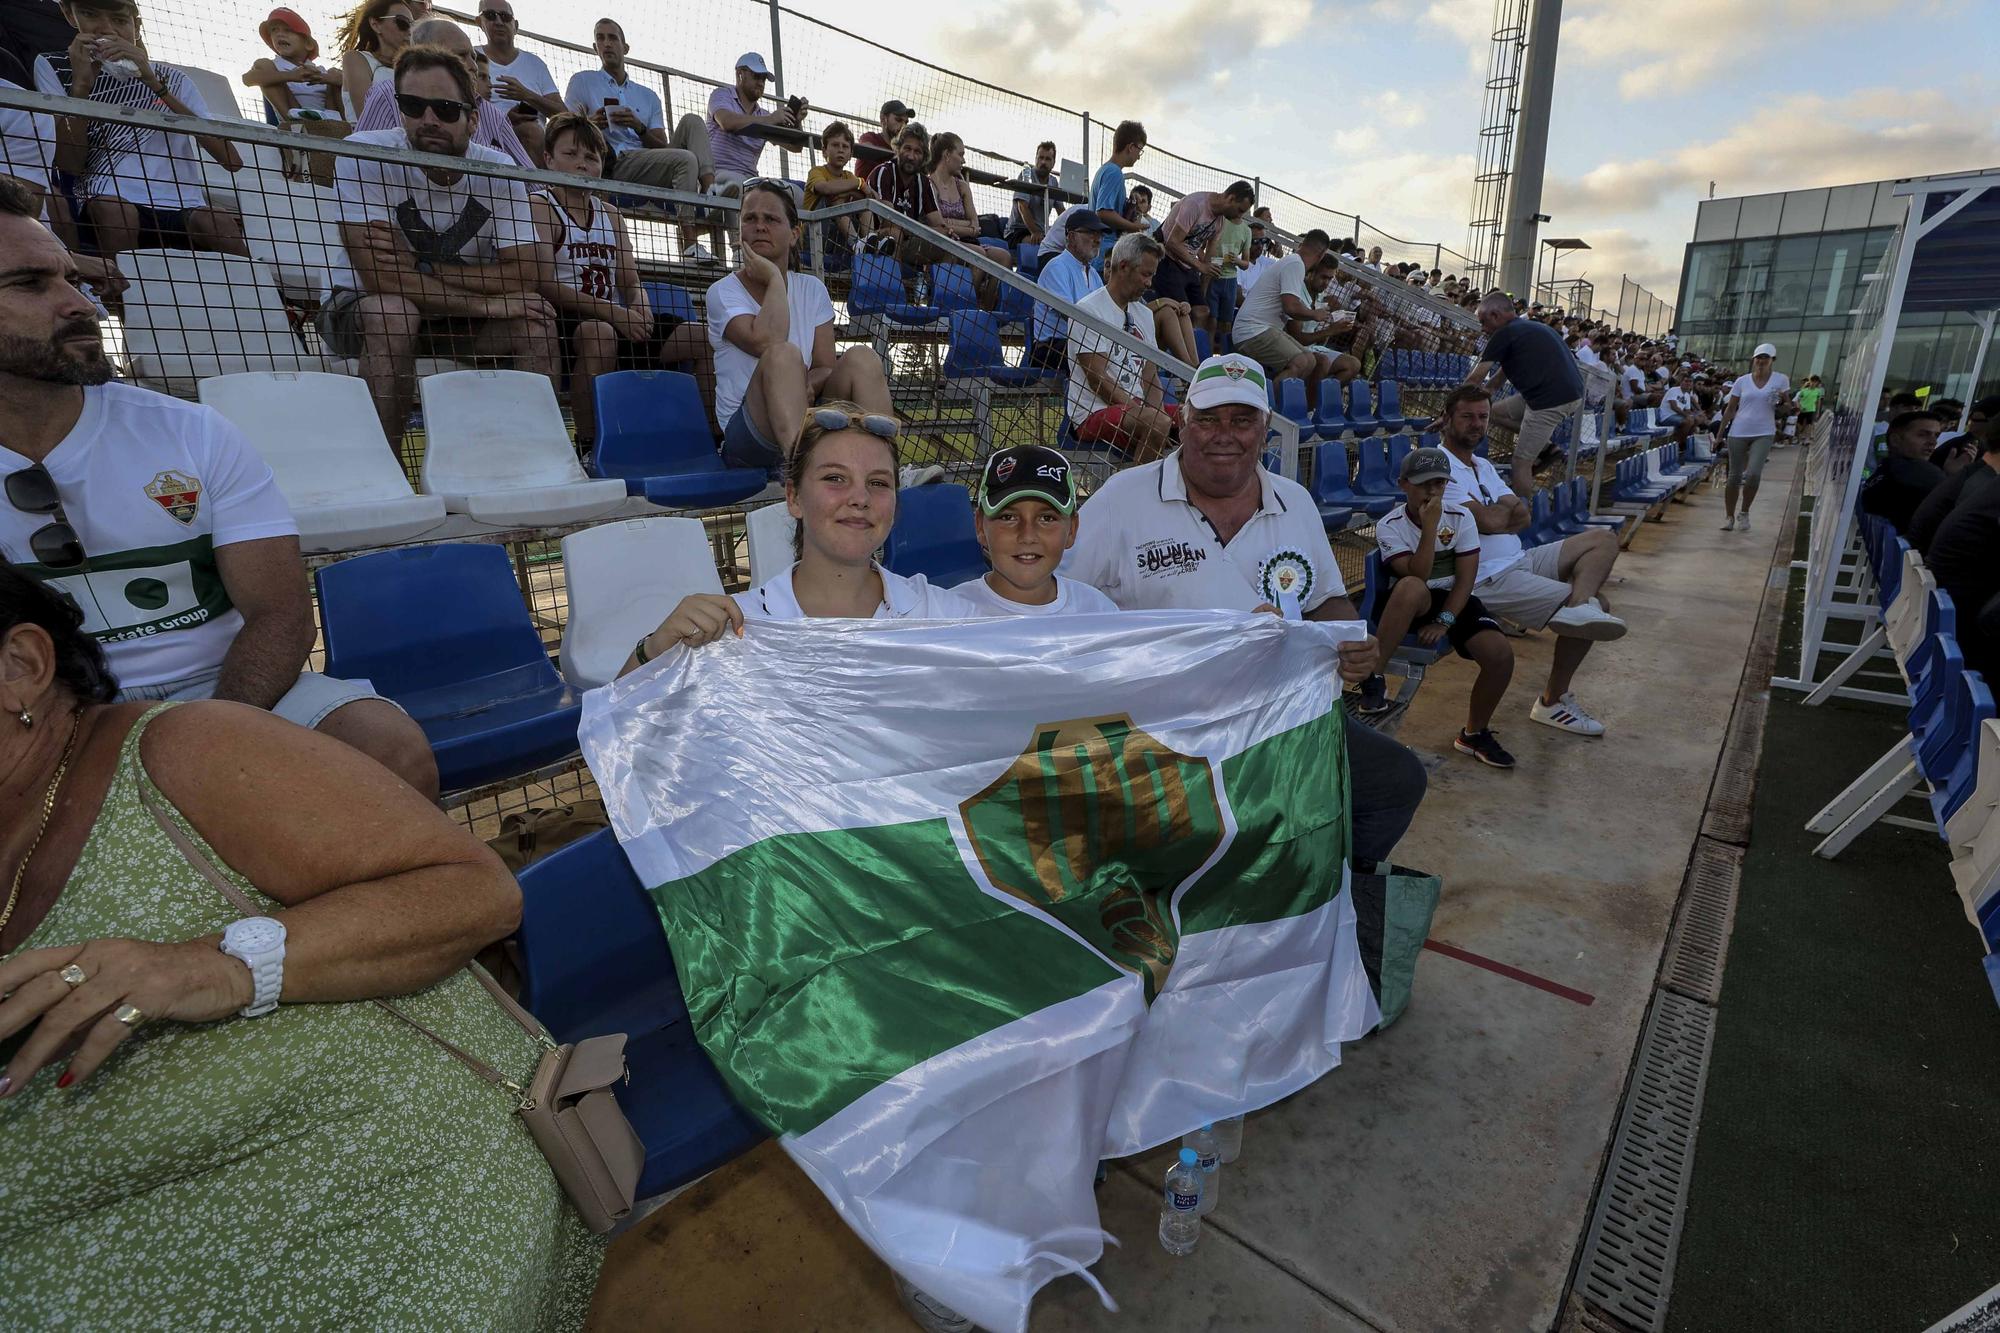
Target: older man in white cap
[1208,527]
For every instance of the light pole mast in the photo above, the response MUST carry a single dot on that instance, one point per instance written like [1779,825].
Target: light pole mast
[1531,141]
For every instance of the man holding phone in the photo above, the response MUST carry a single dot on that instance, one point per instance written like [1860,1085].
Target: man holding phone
[634,123]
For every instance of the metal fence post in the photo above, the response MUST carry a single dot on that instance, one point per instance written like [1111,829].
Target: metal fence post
[1086,151]
[778,77]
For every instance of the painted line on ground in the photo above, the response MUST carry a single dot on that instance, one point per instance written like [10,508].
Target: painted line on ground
[1514,973]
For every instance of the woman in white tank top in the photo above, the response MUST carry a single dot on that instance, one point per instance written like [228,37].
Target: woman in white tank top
[371,38]
[603,312]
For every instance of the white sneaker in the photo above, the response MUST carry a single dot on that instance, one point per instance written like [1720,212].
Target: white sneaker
[698,254]
[1566,714]
[1589,621]
[1744,525]
[1730,526]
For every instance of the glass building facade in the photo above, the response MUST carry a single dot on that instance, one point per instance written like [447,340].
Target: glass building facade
[1787,269]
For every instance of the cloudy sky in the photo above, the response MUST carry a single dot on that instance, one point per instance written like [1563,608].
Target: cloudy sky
[1368,106]
[1654,98]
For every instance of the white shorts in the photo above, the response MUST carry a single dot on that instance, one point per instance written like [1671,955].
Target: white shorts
[1527,591]
[308,703]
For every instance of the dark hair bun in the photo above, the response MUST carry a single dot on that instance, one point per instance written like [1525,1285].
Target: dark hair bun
[80,665]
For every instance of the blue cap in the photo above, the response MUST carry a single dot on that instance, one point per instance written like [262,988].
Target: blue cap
[1189,1157]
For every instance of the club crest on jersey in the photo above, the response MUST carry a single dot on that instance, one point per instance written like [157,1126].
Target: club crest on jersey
[1285,573]
[179,493]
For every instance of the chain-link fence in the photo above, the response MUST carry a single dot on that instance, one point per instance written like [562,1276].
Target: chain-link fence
[1639,311]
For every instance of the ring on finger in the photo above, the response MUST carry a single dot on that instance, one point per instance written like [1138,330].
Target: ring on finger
[74,975]
[130,1015]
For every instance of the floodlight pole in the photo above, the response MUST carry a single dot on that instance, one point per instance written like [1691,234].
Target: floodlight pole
[1531,144]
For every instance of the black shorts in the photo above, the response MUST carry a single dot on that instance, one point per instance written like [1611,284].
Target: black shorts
[631,355]
[1472,620]
[1807,418]
[1051,355]
[1177,283]
[159,228]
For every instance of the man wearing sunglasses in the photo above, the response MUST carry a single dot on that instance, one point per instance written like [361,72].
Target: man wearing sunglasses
[440,263]
[158,520]
[521,82]
[491,127]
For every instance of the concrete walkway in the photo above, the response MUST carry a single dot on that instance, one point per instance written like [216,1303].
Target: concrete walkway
[1442,1178]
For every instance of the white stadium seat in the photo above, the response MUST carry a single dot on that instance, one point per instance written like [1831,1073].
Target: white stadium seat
[622,580]
[190,316]
[321,438]
[770,532]
[497,450]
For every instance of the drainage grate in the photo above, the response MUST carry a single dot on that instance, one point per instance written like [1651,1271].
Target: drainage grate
[1700,937]
[1627,1265]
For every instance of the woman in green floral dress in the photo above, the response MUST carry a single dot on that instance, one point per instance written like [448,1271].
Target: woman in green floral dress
[168,1163]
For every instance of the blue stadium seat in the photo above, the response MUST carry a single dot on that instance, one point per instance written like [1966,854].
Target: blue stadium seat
[1336,499]
[1399,449]
[1028,259]
[1372,477]
[652,433]
[594,961]
[443,632]
[877,289]
[668,299]
[1291,404]
[974,352]
[1017,306]
[1330,421]
[1954,767]
[952,287]
[1389,408]
[1361,417]
[933,536]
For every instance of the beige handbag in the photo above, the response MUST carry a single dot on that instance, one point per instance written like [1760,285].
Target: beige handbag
[568,1106]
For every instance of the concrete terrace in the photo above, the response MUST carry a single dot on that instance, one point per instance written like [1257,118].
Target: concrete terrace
[1442,1179]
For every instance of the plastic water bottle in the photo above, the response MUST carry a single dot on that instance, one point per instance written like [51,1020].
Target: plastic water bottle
[1229,1138]
[1208,1155]
[1180,1211]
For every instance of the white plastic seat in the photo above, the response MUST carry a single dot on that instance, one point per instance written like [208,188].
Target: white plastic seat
[770,532]
[191,316]
[1903,622]
[622,579]
[1655,465]
[321,438]
[295,228]
[496,450]
[1974,830]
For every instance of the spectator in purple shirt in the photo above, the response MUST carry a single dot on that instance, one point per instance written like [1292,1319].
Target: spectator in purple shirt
[733,111]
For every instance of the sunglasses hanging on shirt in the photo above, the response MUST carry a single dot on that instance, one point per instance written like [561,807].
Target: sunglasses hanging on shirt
[33,491]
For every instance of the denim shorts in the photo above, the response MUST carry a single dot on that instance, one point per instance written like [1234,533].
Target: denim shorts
[743,445]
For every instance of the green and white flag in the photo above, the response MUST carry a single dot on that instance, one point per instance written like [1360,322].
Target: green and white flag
[960,908]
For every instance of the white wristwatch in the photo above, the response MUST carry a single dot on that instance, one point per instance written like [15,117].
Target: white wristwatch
[258,942]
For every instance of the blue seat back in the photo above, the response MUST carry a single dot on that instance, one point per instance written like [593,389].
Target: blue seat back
[1372,576]
[592,949]
[1360,406]
[668,299]
[1541,518]
[1331,419]
[1017,305]
[1399,449]
[1292,401]
[933,535]
[1961,762]
[952,287]
[1028,258]
[1201,344]
[1329,479]
[876,284]
[421,617]
[975,345]
[1372,476]
[1391,405]
[651,423]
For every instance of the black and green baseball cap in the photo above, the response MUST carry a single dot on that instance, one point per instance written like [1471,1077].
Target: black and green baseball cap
[1027,471]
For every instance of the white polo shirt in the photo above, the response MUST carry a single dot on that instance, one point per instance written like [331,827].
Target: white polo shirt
[1478,480]
[902,599]
[1141,541]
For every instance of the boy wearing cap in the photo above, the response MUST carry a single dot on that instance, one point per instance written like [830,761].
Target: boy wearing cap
[1429,539]
[1026,520]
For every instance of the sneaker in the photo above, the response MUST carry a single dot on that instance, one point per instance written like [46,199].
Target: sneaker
[1730,526]
[1744,524]
[1589,621]
[1374,697]
[931,1315]
[1566,714]
[1483,746]
[698,254]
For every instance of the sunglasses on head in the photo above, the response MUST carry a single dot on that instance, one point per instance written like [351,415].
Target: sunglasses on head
[445,109]
[33,491]
[832,418]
